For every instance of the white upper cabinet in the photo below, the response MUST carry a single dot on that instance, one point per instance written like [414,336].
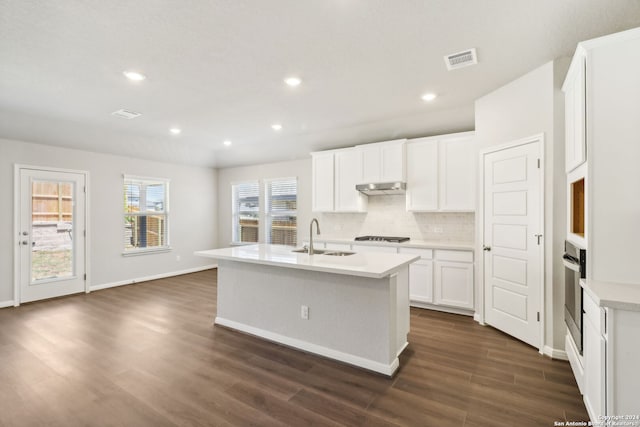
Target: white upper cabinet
[383,161]
[422,174]
[348,171]
[457,174]
[371,161]
[335,174]
[322,166]
[441,173]
[575,114]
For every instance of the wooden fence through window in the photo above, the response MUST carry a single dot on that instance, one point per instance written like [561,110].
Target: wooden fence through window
[51,201]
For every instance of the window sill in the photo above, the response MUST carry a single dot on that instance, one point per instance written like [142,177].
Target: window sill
[137,252]
[243,243]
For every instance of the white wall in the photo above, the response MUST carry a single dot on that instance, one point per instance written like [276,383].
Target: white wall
[530,105]
[296,168]
[192,211]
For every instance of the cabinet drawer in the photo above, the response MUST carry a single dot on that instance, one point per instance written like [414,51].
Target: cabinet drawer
[459,256]
[592,312]
[424,253]
[366,248]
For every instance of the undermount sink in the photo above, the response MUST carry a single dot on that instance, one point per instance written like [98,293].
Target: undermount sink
[339,253]
[306,251]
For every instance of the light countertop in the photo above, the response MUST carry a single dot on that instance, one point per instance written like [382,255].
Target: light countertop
[364,264]
[613,295]
[420,244]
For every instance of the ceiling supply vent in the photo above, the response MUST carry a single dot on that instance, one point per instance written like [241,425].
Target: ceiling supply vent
[126,114]
[461,59]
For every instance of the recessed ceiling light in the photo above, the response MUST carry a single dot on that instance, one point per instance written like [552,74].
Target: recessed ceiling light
[175,131]
[292,81]
[134,76]
[429,97]
[276,126]
[227,143]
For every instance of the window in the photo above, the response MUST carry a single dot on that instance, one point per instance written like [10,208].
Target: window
[280,208]
[246,211]
[146,214]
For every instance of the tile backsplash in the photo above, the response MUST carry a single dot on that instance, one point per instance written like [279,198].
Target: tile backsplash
[387,216]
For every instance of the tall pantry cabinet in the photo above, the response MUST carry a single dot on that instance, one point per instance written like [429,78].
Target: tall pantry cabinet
[602,111]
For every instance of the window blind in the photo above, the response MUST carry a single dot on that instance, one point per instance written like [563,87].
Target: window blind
[146,214]
[246,211]
[281,211]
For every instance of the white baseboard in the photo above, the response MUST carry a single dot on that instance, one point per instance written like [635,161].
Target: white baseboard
[575,360]
[8,303]
[312,348]
[555,353]
[418,304]
[153,277]
[476,317]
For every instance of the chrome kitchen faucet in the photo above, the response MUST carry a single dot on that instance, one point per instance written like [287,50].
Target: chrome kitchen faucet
[311,234]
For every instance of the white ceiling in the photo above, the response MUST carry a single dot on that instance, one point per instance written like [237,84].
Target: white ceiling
[216,67]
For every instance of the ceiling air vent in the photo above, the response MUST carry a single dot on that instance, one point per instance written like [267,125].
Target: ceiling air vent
[126,114]
[461,59]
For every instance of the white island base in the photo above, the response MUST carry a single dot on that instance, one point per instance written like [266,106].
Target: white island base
[362,321]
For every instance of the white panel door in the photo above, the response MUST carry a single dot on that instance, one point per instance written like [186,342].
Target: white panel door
[52,234]
[513,251]
[422,175]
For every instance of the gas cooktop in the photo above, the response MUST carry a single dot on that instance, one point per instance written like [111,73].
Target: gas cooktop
[382,239]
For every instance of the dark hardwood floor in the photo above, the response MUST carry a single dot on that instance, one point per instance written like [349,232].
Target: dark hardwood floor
[148,355]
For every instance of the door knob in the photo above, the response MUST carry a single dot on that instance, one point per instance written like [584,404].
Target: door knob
[25,233]
[25,242]
[486,248]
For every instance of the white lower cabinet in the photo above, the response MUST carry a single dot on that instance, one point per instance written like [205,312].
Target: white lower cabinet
[454,284]
[594,348]
[421,281]
[609,365]
[441,278]
[420,275]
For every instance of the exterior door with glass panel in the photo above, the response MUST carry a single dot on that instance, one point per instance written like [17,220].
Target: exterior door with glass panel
[51,234]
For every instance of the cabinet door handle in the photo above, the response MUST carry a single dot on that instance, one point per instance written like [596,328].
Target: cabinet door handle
[486,248]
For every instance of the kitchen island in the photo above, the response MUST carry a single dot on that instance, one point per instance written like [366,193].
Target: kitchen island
[352,308]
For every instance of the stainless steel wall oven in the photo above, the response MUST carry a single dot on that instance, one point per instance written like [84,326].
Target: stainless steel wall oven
[575,268]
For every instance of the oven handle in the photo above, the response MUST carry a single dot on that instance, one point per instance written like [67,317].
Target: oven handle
[571,265]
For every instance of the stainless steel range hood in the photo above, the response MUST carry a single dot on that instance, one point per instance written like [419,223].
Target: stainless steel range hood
[382,188]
